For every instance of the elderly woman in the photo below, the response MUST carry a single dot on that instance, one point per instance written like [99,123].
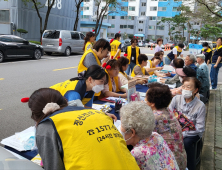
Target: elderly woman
[150,149]
[158,97]
[195,111]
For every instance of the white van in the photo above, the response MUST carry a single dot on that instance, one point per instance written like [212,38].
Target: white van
[62,41]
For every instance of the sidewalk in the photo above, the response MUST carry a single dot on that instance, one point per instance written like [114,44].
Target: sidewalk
[211,158]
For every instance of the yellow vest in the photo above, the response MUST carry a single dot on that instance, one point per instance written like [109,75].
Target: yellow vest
[90,140]
[129,53]
[151,66]
[142,69]
[114,47]
[81,66]
[88,46]
[78,86]
[110,83]
[208,50]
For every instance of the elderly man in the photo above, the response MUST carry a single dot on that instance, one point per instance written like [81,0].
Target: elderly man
[203,76]
[190,61]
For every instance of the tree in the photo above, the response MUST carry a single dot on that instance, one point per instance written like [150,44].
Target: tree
[22,31]
[104,8]
[78,5]
[210,31]
[169,22]
[130,36]
[37,5]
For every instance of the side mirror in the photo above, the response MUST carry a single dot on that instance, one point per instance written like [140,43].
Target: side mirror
[26,42]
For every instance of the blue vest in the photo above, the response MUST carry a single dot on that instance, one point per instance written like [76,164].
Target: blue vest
[216,55]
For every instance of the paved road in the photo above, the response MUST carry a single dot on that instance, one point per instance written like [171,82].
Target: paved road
[19,78]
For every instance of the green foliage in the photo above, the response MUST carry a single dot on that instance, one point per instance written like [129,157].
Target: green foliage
[35,42]
[22,31]
[147,40]
[210,31]
[130,36]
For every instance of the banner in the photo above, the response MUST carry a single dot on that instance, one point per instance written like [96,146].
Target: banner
[195,49]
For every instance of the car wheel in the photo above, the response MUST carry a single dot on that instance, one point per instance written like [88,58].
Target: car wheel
[37,54]
[1,56]
[48,53]
[67,51]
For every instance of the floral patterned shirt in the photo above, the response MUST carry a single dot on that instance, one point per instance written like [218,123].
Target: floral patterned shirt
[169,128]
[153,153]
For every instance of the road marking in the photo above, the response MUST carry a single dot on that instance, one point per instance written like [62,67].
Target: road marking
[153,55]
[64,68]
[1,78]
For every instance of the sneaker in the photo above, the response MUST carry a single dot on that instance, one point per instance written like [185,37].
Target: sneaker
[212,88]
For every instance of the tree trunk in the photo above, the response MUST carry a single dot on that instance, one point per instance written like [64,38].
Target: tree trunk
[77,16]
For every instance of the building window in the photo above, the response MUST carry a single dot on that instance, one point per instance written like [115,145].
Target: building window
[153,0]
[86,0]
[159,36]
[151,37]
[112,17]
[151,27]
[132,0]
[131,26]
[162,9]
[85,8]
[112,26]
[153,8]
[153,18]
[143,13]
[140,22]
[112,34]
[160,27]
[131,17]
[131,8]
[159,18]
[124,8]
[196,23]
[112,8]
[4,16]
[124,0]
[123,26]
[105,17]
[85,16]
[140,30]
[143,3]
[175,8]
[162,0]
[123,17]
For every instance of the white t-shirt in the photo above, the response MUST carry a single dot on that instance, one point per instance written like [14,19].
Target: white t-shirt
[148,64]
[175,51]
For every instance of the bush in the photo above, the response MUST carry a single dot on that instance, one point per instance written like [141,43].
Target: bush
[35,42]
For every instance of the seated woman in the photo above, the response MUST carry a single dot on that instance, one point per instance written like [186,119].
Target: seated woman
[89,39]
[94,56]
[124,78]
[139,69]
[71,137]
[151,65]
[150,149]
[195,111]
[158,97]
[114,83]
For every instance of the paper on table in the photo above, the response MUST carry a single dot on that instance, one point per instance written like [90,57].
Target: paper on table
[117,123]
[97,106]
[142,94]
[168,68]
[116,98]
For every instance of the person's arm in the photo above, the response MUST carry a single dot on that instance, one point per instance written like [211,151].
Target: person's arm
[123,79]
[219,58]
[153,69]
[139,51]
[119,50]
[108,93]
[49,148]
[120,85]
[126,51]
[138,71]
[158,74]
[175,52]
[209,57]
[172,80]
[89,60]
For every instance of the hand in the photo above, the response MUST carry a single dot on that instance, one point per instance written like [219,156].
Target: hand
[162,80]
[123,95]
[112,116]
[141,81]
[159,68]
[173,72]
[215,66]
[168,74]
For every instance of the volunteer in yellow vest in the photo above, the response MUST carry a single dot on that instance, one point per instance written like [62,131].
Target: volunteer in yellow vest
[207,52]
[89,40]
[116,46]
[151,65]
[216,61]
[94,56]
[70,137]
[124,78]
[114,83]
[176,52]
[133,53]
[139,68]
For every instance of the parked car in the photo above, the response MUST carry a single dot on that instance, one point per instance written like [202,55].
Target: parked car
[151,43]
[62,41]
[15,47]
[141,43]
[125,44]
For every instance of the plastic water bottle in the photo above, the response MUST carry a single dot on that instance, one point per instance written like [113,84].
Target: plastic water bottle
[30,143]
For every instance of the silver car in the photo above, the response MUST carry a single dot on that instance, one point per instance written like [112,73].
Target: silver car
[62,41]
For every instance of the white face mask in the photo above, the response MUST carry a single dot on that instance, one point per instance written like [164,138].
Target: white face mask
[123,133]
[120,38]
[205,48]
[181,79]
[186,94]
[98,88]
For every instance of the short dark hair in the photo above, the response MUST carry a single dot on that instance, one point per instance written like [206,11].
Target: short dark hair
[113,63]
[123,61]
[178,62]
[142,57]
[156,57]
[181,45]
[159,94]
[102,43]
[159,39]
[189,71]
[133,40]
[219,38]
[205,44]
[197,83]
[117,35]
[162,51]
[158,54]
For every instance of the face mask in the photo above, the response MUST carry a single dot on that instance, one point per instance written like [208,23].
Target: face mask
[205,48]
[123,133]
[181,79]
[120,38]
[98,88]
[186,93]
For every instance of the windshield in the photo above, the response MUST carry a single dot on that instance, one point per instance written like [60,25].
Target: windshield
[51,34]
